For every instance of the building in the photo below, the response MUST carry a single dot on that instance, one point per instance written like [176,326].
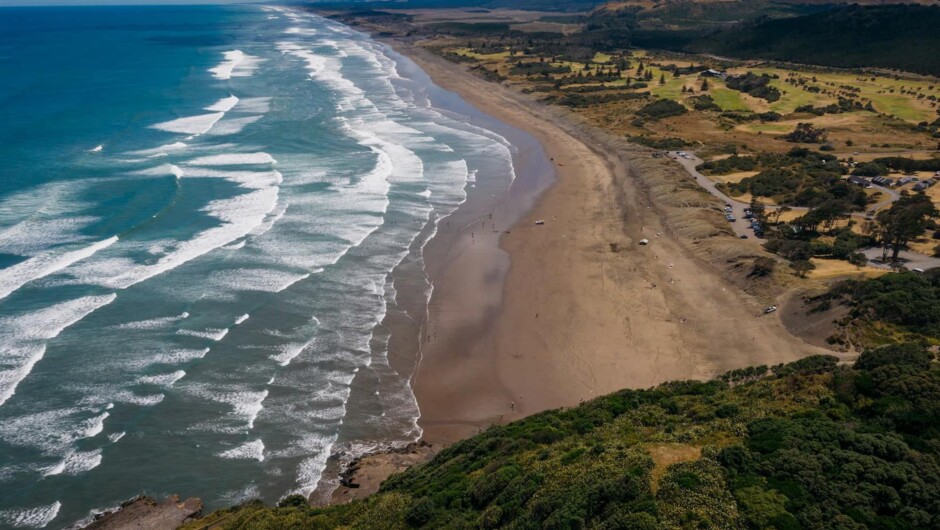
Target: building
[860,181]
[714,73]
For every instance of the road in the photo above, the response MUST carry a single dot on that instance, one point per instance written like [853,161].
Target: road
[742,226]
[911,260]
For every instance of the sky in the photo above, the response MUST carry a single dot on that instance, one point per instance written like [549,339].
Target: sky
[11,3]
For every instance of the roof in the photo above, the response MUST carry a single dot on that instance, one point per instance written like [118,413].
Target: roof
[855,179]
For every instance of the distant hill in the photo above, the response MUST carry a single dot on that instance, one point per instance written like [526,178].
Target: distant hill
[809,445]
[903,37]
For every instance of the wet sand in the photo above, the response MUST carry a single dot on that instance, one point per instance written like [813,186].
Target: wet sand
[529,317]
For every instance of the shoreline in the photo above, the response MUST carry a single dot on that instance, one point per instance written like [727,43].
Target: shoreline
[460,264]
[584,310]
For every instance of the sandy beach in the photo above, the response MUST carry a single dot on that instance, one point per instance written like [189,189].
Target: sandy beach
[529,317]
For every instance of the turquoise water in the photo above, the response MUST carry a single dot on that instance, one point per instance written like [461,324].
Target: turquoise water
[200,212]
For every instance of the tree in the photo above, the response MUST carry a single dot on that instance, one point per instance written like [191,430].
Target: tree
[858,259]
[906,219]
[758,210]
[802,266]
[704,85]
[825,214]
[807,134]
[763,266]
[662,79]
[780,211]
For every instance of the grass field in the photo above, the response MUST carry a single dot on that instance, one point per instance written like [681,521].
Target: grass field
[849,132]
[728,99]
[732,177]
[827,269]
[878,89]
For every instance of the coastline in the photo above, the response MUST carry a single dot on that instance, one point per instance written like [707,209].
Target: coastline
[460,265]
[583,310]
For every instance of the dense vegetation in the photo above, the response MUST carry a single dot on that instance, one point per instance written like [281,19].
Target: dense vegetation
[897,36]
[909,165]
[908,300]
[755,85]
[800,178]
[809,445]
[662,108]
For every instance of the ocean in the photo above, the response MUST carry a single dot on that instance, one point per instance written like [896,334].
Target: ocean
[208,218]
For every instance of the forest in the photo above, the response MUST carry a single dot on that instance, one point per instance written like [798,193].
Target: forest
[812,445]
[901,37]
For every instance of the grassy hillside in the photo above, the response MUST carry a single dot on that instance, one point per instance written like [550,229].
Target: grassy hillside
[805,445]
[902,37]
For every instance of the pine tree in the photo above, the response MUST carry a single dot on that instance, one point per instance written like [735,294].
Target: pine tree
[662,79]
[704,85]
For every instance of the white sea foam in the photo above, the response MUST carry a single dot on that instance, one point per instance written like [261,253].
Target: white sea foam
[236,64]
[190,125]
[253,450]
[239,215]
[96,149]
[246,179]
[241,319]
[116,437]
[161,170]
[177,357]
[233,125]
[235,246]
[246,404]
[37,517]
[223,105]
[37,234]
[93,426]
[315,63]
[258,105]
[163,150]
[154,323]
[22,336]
[163,380]
[276,215]
[233,159]
[211,333]
[75,462]
[311,469]
[288,352]
[16,276]
[264,280]
[126,396]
